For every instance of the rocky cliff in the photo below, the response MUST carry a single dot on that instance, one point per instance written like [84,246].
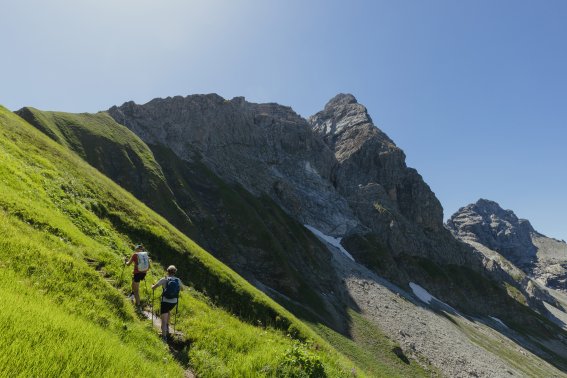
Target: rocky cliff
[390,199]
[501,231]
[336,171]
[369,161]
[266,148]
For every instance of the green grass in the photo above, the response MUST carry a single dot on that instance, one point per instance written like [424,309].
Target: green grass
[39,338]
[68,130]
[65,230]
[117,152]
[241,348]
[516,294]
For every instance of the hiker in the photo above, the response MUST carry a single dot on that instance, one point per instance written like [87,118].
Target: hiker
[169,297]
[141,262]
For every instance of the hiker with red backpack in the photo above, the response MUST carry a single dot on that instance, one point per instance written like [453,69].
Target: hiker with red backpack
[141,262]
[169,297]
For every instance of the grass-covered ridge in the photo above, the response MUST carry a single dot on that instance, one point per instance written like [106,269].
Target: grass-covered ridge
[65,229]
[115,151]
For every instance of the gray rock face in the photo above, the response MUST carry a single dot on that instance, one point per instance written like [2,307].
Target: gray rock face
[336,171]
[501,231]
[386,195]
[366,155]
[266,148]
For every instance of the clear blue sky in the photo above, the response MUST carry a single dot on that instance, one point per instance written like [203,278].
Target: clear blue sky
[475,92]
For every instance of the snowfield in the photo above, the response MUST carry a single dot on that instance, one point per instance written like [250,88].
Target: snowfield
[498,321]
[335,242]
[421,293]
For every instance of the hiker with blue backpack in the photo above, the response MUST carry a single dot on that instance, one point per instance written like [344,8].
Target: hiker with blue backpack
[169,297]
[141,261]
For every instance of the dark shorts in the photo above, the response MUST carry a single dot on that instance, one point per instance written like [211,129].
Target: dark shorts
[139,276]
[166,307]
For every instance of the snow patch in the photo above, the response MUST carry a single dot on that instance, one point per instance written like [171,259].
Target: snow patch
[335,242]
[560,317]
[310,169]
[498,321]
[421,293]
[425,297]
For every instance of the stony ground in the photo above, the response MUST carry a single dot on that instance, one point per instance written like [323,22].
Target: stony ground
[449,342]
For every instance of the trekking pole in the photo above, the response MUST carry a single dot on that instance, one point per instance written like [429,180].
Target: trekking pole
[176,307]
[153,293]
[146,286]
[122,273]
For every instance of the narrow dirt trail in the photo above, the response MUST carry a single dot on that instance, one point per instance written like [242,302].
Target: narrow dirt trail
[175,347]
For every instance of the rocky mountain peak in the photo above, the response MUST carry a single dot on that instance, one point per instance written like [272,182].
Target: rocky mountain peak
[494,210]
[501,231]
[341,99]
[487,223]
[490,212]
[342,119]
[372,166]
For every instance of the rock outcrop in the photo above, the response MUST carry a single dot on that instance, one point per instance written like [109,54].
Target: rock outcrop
[502,232]
[335,171]
[266,148]
[367,156]
[390,199]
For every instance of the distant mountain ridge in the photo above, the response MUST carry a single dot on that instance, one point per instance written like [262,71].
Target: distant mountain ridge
[486,223]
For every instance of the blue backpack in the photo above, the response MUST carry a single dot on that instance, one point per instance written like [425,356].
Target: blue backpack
[172,288]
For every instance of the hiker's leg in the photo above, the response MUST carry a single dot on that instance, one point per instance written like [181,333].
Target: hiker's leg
[164,324]
[136,291]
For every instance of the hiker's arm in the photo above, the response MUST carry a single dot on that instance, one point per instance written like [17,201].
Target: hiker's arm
[129,261]
[159,283]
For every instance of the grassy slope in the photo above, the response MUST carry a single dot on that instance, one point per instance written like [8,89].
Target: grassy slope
[60,220]
[278,250]
[115,151]
[252,235]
